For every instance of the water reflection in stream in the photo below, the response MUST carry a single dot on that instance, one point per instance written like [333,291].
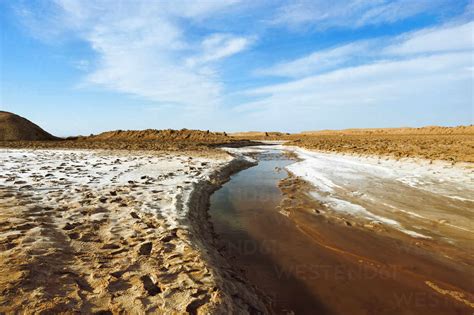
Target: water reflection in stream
[245,216]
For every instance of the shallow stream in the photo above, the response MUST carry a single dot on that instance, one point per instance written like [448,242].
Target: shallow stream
[245,215]
[307,264]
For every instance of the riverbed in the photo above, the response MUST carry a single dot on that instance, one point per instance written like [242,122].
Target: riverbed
[351,235]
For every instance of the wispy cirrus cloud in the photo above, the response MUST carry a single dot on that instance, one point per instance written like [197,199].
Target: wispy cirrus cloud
[180,54]
[449,38]
[426,69]
[219,46]
[416,90]
[319,61]
[143,49]
[350,13]
[455,37]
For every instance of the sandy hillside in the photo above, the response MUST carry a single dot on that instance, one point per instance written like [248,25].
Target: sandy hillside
[163,135]
[17,132]
[15,128]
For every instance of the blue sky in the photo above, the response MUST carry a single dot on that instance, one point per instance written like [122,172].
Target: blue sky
[80,67]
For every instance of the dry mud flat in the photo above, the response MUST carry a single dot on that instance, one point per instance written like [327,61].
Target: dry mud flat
[102,232]
[453,144]
[453,148]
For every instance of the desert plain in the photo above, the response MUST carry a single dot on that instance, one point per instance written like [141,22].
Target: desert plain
[372,221]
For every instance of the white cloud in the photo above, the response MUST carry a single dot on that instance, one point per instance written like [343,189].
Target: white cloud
[416,70]
[405,91]
[318,61]
[170,53]
[218,46]
[350,13]
[142,47]
[392,11]
[446,38]
[376,73]
[439,39]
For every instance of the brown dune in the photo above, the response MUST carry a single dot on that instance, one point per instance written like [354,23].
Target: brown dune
[17,128]
[257,134]
[149,139]
[183,135]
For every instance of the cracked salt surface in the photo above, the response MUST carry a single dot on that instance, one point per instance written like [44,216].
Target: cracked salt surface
[57,175]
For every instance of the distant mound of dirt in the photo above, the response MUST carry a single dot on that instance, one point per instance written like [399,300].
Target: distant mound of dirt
[183,135]
[150,140]
[269,135]
[455,144]
[428,130]
[17,128]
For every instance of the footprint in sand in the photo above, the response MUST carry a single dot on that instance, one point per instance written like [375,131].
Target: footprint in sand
[145,249]
[150,286]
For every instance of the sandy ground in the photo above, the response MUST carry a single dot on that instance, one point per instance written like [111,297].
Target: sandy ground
[452,148]
[452,144]
[109,232]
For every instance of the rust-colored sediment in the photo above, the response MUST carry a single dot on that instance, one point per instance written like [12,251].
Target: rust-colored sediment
[407,275]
